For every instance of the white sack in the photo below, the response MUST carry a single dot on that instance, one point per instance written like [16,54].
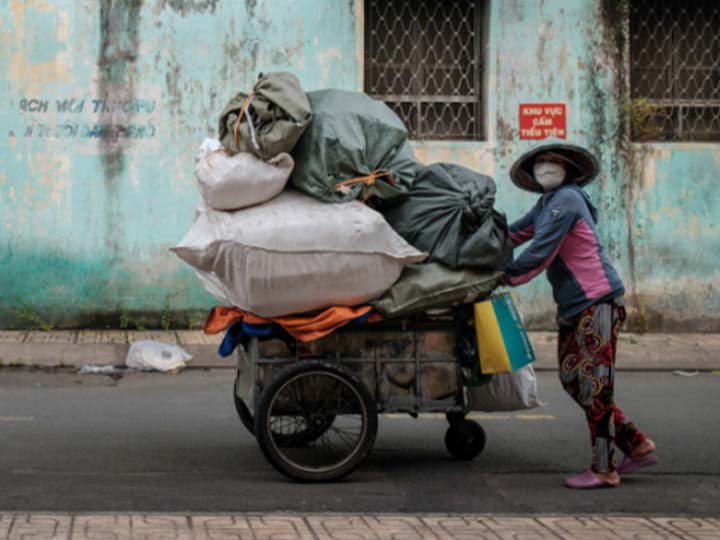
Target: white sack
[295,254]
[155,356]
[506,392]
[231,182]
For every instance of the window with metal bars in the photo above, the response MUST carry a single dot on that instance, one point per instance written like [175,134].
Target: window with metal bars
[424,59]
[675,70]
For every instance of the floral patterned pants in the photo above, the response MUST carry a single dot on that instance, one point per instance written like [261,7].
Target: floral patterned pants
[586,352]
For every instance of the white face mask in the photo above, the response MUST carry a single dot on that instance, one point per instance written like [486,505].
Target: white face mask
[549,175]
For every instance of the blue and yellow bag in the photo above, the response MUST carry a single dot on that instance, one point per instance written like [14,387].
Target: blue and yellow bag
[503,344]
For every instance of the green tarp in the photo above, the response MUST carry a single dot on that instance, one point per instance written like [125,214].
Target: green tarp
[433,286]
[279,112]
[350,137]
[449,213]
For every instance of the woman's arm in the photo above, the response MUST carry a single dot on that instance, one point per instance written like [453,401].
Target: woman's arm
[523,229]
[556,221]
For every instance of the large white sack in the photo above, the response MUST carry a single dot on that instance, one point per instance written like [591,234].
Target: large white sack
[514,391]
[295,254]
[231,182]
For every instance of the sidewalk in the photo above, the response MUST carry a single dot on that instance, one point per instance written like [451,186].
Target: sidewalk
[330,527]
[74,348]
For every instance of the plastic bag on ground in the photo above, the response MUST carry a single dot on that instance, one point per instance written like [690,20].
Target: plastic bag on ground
[156,356]
[268,121]
[514,391]
[351,137]
[231,182]
[295,254]
[449,214]
[431,286]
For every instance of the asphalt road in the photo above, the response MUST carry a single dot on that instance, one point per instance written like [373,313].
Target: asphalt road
[164,443]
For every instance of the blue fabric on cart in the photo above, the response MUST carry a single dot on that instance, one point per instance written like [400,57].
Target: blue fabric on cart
[240,333]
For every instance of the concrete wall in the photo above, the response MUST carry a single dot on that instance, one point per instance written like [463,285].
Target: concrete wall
[85,221]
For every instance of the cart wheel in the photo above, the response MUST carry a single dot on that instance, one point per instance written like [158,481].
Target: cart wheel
[313,430]
[315,421]
[242,409]
[465,439]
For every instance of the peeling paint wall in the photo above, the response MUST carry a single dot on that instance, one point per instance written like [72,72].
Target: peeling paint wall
[104,104]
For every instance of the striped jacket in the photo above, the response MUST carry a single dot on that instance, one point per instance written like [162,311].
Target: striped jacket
[565,242]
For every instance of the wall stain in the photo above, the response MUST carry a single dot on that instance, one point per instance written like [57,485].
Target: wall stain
[119,44]
[615,21]
[172,82]
[543,38]
[186,7]
[250,5]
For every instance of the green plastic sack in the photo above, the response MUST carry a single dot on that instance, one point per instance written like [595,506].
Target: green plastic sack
[449,213]
[433,286]
[273,118]
[351,137]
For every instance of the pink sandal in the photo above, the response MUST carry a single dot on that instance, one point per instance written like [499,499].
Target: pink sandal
[587,480]
[630,464]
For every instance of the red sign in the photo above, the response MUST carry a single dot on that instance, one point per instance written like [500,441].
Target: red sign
[541,120]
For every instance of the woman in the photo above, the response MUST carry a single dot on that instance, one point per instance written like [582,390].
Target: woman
[588,292]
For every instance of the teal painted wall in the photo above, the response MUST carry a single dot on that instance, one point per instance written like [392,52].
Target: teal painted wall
[85,222]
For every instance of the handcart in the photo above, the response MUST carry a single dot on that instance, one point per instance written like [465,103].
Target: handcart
[314,411]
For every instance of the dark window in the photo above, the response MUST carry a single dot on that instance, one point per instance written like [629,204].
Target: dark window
[424,58]
[675,70]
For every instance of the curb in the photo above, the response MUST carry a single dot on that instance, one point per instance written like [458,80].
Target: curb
[636,352]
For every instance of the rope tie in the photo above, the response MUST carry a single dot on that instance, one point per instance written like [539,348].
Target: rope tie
[241,113]
[207,157]
[367,182]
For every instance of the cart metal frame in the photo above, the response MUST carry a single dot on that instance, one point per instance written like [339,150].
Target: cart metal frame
[406,366]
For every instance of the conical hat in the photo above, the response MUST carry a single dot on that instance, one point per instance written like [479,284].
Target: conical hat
[582,166]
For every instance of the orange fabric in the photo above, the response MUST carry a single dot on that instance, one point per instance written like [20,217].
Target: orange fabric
[221,317]
[301,327]
[239,118]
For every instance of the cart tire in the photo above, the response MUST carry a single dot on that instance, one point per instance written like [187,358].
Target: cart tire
[315,421]
[465,439]
[243,411]
[309,435]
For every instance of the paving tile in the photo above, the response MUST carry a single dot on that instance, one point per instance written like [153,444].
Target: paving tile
[12,336]
[460,528]
[579,528]
[160,528]
[250,528]
[198,337]
[370,528]
[101,527]
[154,335]
[5,522]
[102,336]
[38,527]
[125,527]
[518,528]
[56,336]
[701,529]
[632,528]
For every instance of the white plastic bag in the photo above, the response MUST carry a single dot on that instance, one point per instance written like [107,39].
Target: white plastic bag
[155,356]
[295,254]
[232,182]
[514,391]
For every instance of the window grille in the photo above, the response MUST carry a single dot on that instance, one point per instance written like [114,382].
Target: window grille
[675,70]
[424,59]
